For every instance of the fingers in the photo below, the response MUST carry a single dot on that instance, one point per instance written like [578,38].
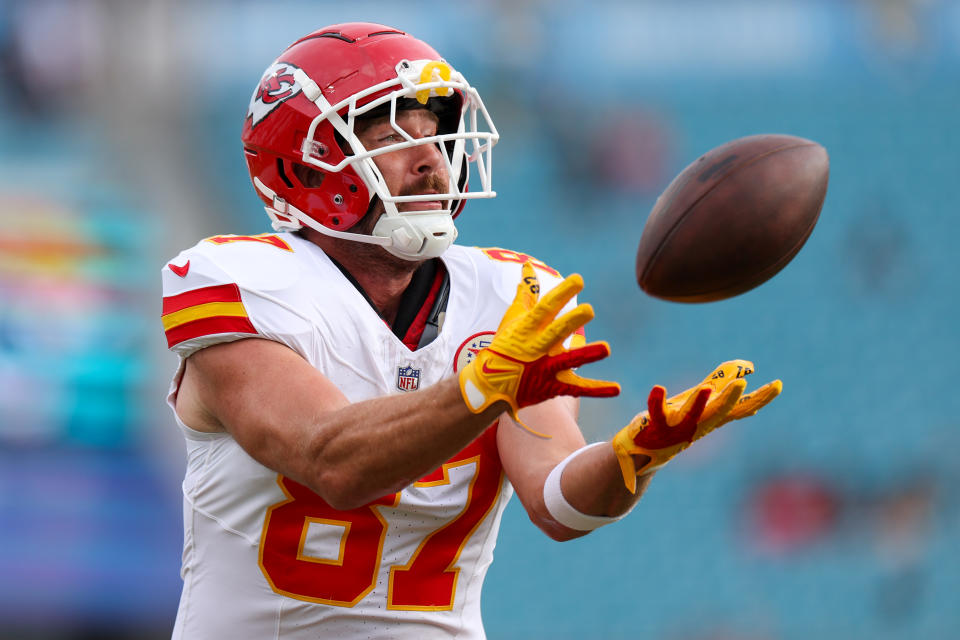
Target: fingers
[730,369]
[528,289]
[697,405]
[685,423]
[531,314]
[561,328]
[718,379]
[581,355]
[727,372]
[528,292]
[564,292]
[655,403]
[690,398]
[555,299]
[575,385]
[728,397]
[718,410]
[668,427]
[756,400]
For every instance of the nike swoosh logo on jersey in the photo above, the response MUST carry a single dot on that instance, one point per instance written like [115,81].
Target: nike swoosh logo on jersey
[180,271]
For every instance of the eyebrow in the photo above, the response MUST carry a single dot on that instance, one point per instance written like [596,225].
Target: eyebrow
[363,125]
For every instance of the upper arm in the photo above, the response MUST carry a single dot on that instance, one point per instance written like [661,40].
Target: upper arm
[265,395]
[527,459]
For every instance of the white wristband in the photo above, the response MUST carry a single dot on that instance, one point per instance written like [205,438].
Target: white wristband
[561,510]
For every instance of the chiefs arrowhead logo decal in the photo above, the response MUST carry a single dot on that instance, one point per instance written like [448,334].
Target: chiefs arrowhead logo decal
[180,271]
[276,86]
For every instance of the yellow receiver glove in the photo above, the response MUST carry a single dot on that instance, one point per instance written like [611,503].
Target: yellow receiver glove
[526,362]
[670,426]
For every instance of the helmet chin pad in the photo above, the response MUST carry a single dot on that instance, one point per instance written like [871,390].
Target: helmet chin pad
[417,236]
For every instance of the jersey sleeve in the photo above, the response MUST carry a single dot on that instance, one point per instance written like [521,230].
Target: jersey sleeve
[215,293]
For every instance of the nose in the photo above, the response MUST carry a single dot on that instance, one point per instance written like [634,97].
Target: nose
[428,159]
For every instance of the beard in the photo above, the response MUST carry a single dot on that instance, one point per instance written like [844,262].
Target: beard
[375,257]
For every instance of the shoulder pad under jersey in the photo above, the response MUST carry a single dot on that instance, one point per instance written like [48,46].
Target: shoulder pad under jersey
[504,266]
[230,287]
[508,263]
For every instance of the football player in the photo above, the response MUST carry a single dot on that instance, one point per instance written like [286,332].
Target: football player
[359,395]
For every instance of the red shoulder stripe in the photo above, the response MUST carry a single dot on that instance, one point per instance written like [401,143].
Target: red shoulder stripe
[209,326]
[216,293]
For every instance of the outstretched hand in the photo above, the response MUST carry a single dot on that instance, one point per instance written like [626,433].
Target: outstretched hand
[526,362]
[669,426]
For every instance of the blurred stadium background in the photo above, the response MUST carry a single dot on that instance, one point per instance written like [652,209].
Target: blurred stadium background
[831,515]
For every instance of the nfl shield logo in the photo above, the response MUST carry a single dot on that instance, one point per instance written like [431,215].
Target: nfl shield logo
[408,378]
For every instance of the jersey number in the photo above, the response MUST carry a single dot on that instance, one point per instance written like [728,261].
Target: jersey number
[263,238]
[505,255]
[427,582]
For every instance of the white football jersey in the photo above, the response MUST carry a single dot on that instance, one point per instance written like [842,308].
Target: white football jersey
[265,557]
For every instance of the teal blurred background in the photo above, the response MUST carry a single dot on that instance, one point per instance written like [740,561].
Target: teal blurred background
[833,514]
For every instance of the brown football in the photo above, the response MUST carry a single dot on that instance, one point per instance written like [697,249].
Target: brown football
[733,218]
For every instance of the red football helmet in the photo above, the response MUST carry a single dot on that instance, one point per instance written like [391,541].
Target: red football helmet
[310,168]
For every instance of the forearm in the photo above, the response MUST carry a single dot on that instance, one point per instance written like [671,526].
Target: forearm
[292,419]
[592,484]
[371,448]
[588,478]
[583,492]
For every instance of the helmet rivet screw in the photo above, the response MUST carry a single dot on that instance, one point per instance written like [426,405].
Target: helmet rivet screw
[338,199]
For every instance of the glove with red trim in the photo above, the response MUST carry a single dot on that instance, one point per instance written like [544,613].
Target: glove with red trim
[668,427]
[526,362]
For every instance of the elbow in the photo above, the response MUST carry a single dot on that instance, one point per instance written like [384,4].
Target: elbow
[347,482]
[563,534]
[338,480]
[339,490]
[553,529]
[341,502]
[559,533]
[345,490]
[541,518]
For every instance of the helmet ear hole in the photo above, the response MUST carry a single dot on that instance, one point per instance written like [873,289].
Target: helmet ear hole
[308,176]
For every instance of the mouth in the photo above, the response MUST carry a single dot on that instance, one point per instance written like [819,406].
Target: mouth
[424,205]
[431,205]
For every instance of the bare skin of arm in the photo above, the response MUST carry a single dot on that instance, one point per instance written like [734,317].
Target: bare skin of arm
[291,418]
[591,482]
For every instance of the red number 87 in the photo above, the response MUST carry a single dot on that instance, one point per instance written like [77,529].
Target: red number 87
[426,583]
